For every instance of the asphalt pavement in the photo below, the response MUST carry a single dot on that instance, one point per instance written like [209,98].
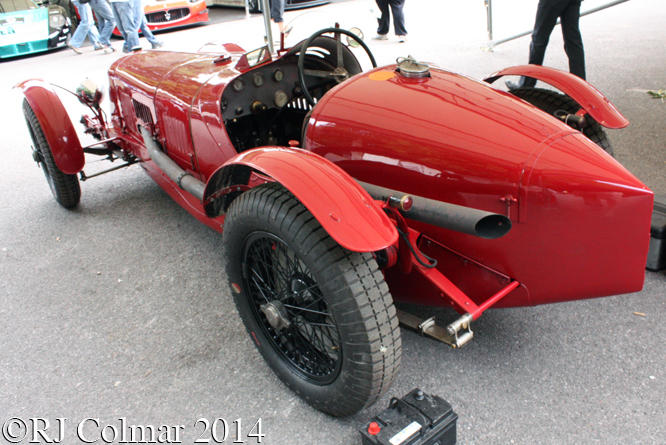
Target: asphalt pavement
[117,313]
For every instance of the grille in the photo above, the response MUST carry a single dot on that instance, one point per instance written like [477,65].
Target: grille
[142,112]
[168,16]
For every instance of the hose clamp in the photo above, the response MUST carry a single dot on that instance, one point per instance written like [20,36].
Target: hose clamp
[180,178]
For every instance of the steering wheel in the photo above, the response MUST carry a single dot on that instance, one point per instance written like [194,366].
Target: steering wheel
[340,73]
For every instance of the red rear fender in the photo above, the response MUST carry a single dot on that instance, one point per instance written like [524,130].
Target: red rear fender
[55,123]
[342,207]
[588,97]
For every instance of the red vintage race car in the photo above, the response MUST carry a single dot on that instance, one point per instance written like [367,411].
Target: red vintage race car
[338,192]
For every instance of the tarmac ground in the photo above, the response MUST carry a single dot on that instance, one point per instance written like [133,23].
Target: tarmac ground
[117,313]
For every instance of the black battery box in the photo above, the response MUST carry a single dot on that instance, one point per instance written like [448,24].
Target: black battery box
[416,419]
[656,259]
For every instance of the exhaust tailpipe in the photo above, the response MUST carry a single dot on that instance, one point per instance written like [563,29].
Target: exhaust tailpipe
[461,219]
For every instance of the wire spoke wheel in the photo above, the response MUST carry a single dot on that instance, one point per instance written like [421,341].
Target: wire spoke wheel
[308,336]
[320,315]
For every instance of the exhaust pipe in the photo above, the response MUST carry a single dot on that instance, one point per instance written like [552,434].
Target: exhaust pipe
[441,214]
[461,219]
[184,180]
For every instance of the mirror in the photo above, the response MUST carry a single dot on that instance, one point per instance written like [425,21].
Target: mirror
[258,56]
[354,42]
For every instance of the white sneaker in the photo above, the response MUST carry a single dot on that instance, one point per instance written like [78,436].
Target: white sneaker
[380,37]
[402,39]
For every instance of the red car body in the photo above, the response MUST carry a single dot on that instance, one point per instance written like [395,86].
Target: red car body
[534,158]
[579,221]
[560,181]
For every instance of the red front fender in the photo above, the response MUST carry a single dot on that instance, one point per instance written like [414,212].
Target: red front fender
[588,97]
[342,207]
[55,123]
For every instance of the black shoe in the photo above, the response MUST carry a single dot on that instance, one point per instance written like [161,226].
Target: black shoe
[513,85]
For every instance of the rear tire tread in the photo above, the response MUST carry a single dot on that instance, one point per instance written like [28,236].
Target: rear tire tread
[361,302]
[550,101]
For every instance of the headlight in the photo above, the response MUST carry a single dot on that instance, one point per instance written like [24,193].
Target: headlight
[57,21]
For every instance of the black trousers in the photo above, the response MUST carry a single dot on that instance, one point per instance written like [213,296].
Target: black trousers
[548,11]
[398,17]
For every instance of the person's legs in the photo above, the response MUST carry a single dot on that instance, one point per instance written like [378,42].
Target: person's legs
[573,42]
[546,18]
[385,20]
[147,33]
[142,23]
[105,19]
[123,13]
[138,14]
[398,17]
[86,25]
[277,12]
[93,35]
[119,23]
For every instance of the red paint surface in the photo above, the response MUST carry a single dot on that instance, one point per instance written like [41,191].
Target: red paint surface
[580,220]
[588,97]
[342,207]
[56,125]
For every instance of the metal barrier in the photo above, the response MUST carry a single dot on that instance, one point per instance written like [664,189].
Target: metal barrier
[489,13]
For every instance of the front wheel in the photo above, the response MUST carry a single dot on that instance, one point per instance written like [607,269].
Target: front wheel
[320,315]
[65,188]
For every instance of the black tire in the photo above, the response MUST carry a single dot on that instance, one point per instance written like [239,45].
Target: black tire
[552,101]
[341,349]
[65,188]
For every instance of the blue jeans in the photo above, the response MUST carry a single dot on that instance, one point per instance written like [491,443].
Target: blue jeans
[140,19]
[123,12]
[105,20]
[86,26]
